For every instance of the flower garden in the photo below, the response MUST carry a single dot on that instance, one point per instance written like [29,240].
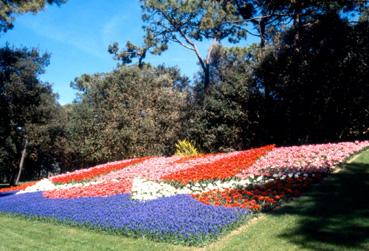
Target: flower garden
[189,200]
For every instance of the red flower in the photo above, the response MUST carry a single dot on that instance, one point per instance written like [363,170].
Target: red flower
[93,172]
[221,169]
[19,187]
[259,197]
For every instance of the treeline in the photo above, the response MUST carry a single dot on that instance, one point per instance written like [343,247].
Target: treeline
[305,82]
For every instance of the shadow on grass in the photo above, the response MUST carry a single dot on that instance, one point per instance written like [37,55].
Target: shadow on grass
[335,213]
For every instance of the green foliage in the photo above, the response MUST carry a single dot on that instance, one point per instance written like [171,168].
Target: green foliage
[185,148]
[223,121]
[27,106]
[306,81]
[198,20]
[276,14]
[316,89]
[129,112]
[185,23]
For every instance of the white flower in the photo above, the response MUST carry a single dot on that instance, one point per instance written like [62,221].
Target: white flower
[148,190]
[42,185]
[260,178]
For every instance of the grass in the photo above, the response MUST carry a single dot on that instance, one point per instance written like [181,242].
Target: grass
[332,216]
[22,234]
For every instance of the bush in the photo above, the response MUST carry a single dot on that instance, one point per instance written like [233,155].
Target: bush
[185,148]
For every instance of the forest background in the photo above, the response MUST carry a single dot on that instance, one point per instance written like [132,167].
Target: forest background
[305,81]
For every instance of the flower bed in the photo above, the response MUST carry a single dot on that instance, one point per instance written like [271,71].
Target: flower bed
[222,169]
[284,161]
[178,218]
[138,197]
[90,173]
[259,197]
[121,181]
[17,188]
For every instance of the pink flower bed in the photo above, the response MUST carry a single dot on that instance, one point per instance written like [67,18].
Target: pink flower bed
[102,189]
[121,181]
[93,172]
[303,159]
[279,163]
[155,170]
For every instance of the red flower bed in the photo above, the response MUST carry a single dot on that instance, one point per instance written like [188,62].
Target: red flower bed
[221,169]
[87,174]
[19,187]
[102,189]
[260,197]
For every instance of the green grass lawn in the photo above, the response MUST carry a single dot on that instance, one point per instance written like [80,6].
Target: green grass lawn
[332,216]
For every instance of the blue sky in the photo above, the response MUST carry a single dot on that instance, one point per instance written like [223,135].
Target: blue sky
[77,35]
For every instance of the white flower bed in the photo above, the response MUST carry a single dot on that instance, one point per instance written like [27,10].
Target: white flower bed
[143,189]
[42,185]
[48,185]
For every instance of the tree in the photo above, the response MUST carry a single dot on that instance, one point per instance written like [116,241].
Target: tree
[186,23]
[10,8]
[226,119]
[318,87]
[269,17]
[127,113]
[24,100]
[47,141]
[26,103]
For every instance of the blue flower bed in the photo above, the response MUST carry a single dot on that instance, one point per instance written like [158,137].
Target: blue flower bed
[179,218]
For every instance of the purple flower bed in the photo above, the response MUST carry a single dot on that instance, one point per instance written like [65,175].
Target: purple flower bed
[7,193]
[178,218]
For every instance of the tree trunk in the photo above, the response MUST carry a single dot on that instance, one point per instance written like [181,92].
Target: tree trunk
[206,79]
[11,179]
[206,66]
[297,24]
[262,33]
[21,163]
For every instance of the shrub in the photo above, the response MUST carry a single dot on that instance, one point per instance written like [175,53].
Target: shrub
[185,148]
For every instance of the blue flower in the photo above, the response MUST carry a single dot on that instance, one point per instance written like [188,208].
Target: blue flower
[180,217]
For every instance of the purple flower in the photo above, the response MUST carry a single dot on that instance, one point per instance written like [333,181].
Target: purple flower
[179,217]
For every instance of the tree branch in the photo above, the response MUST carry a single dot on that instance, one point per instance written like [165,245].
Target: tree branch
[213,44]
[188,40]
[176,40]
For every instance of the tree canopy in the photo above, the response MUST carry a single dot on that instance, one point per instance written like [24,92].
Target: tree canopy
[186,23]
[129,112]
[306,81]
[26,105]
[318,88]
